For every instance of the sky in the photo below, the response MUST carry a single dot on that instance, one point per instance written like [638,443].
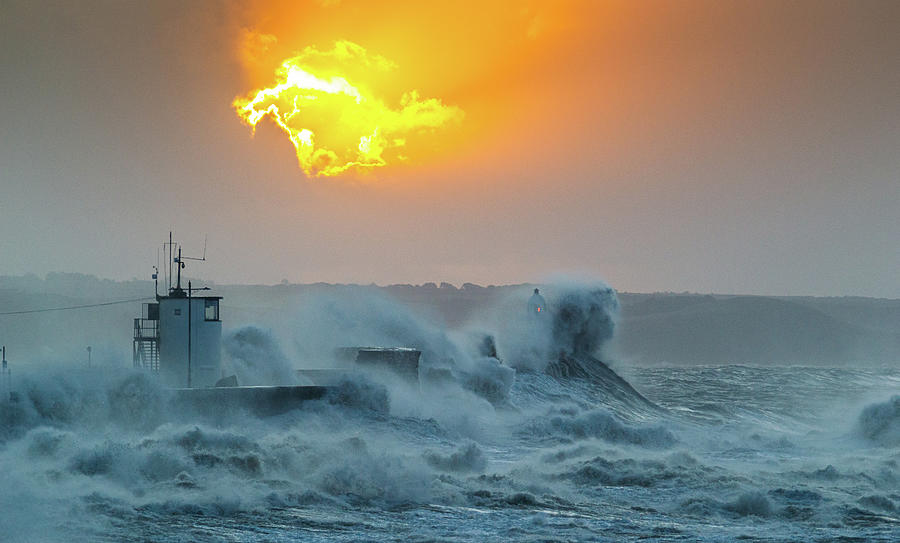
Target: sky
[728,146]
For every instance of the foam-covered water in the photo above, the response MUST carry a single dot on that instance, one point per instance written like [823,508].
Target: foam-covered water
[567,452]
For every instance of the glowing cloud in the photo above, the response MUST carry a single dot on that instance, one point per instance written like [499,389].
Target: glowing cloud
[334,121]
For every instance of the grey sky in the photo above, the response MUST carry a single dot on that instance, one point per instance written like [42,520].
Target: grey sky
[778,172]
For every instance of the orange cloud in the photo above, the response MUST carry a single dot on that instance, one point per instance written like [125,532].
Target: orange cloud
[335,121]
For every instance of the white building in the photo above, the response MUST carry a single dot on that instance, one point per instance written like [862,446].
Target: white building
[180,336]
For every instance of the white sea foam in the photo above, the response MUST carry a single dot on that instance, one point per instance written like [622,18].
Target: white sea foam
[562,449]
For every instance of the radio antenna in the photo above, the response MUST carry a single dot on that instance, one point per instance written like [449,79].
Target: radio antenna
[200,259]
[170,244]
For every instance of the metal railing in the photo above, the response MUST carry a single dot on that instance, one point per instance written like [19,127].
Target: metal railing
[146,344]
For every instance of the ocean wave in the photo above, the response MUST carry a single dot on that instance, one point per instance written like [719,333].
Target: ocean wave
[602,424]
[880,422]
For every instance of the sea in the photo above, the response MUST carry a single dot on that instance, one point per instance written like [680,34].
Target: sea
[575,450]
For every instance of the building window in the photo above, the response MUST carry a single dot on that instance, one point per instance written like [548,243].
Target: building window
[178,311]
[211,311]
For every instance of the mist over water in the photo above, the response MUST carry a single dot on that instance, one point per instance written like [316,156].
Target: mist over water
[516,430]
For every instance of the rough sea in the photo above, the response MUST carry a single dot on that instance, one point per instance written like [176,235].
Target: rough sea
[569,450]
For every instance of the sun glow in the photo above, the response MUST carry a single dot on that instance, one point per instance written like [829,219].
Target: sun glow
[338,126]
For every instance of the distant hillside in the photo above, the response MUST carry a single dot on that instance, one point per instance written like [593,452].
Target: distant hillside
[653,329]
[689,329]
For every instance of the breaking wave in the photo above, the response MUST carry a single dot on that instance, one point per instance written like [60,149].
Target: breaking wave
[516,427]
[880,422]
[569,424]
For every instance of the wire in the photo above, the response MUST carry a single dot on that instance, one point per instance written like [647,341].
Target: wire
[24,312]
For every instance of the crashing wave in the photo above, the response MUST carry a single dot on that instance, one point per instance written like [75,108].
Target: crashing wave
[583,322]
[880,422]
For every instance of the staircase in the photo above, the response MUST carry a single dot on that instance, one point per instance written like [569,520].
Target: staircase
[146,344]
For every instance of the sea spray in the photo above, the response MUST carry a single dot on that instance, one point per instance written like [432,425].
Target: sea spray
[92,456]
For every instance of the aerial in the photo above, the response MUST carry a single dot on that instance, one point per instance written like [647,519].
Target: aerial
[335,270]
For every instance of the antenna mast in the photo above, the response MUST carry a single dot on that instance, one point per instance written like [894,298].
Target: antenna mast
[180,265]
[170,245]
